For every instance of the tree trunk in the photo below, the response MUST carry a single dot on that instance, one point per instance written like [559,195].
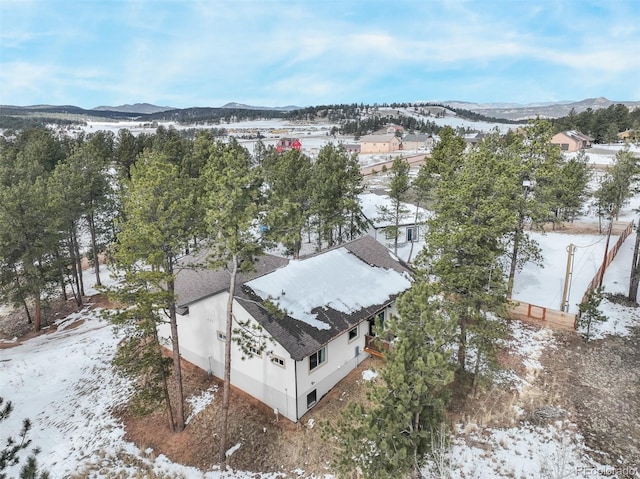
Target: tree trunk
[514,259]
[94,248]
[397,229]
[177,370]
[476,371]
[462,344]
[415,222]
[76,249]
[165,384]
[635,269]
[37,316]
[74,267]
[63,286]
[226,392]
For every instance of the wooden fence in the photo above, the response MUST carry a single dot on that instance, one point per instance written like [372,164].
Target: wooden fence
[613,251]
[559,319]
[542,316]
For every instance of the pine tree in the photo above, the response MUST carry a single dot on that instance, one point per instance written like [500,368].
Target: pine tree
[589,312]
[336,184]
[398,189]
[233,204]
[155,231]
[139,356]
[392,437]
[9,455]
[288,178]
[465,239]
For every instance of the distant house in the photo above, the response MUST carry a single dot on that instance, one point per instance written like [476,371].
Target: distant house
[472,139]
[380,143]
[320,330]
[352,148]
[411,229]
[419,142]
[285,144]
[628,135]
[394,129]
[571,140]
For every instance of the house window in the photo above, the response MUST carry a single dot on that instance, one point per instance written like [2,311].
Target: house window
[277,360]
[221,336]
[353,333]
[412,234]
[317,358]
[564,146]
[380,319]
[254,350]
[312,398]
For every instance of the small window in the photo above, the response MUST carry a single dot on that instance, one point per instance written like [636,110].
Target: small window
[412,234]
[254,350]
[312,398]
[222,336]
[278,361]
[317,358]
[353,333]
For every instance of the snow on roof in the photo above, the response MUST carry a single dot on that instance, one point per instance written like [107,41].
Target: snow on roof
[371,203]
[336,279]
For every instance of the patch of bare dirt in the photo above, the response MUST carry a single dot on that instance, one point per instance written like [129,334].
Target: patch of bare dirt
[587,227]
[267,444]
[599,382]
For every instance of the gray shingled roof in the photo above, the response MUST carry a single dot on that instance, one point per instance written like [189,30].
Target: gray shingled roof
[195,281]
[301,339]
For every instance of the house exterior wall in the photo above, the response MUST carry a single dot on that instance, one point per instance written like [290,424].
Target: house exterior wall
[380,235]
[380,146]
[427,144]
[260,377]
[566,142]
[341,360]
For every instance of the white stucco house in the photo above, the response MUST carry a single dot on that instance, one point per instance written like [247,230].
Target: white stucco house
[411,228]
[330,301]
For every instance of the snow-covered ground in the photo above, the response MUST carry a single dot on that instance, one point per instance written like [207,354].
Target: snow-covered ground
[64,383]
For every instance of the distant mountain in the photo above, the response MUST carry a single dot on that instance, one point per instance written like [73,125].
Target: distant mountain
[142,108]
[514,111]
[241,106]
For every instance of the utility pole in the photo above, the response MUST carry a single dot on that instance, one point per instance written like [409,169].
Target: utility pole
[571,250]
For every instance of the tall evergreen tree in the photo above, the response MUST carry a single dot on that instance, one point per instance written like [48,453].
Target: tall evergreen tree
[233,204]
[393,436]
[288,178]
[155,231]
[336,184]
[465,241]
[399,185]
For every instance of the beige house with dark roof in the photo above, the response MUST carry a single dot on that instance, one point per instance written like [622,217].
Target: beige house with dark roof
[571,140]
[380,143]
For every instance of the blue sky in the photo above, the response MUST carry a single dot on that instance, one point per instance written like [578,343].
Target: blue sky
[275,53]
